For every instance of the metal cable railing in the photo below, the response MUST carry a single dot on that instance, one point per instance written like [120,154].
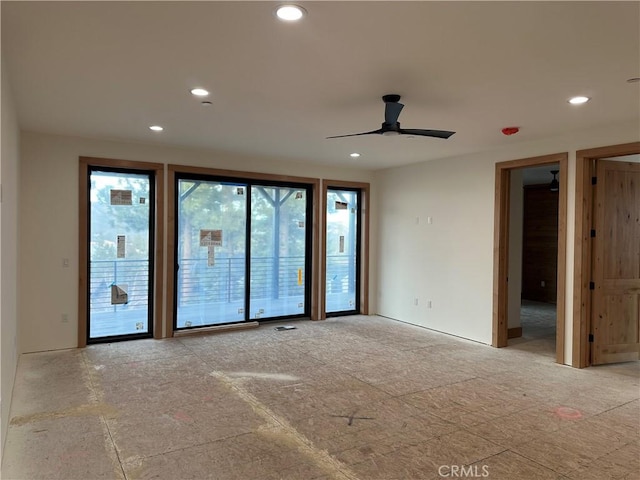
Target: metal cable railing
[223,282]
[104,273]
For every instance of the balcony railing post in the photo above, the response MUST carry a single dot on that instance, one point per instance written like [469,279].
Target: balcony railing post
[115,278]
[229,280]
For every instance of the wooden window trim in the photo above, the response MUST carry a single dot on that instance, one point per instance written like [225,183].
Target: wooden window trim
[83,253]
[364,252]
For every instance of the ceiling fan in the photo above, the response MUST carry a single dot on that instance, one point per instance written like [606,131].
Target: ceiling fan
[391,126]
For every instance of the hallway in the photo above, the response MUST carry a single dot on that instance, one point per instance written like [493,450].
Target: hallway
[538,321]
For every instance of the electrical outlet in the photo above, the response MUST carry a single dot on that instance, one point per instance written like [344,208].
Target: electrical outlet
[65,263]
[65,318]
[415,302]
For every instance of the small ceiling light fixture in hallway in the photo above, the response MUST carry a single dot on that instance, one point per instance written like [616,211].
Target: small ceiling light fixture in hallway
[579,100]
[633,80]
[199,92]
[156,128]
[554,186]
[290,12]
[354,155]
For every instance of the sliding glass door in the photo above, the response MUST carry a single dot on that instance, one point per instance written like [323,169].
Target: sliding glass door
[342,250]
[211,252]
[243,251]
[120,254]
[278,251]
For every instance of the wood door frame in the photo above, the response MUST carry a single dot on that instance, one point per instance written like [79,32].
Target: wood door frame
[501,247]
[585,164]
[171,226]
[83,250]
[364,248]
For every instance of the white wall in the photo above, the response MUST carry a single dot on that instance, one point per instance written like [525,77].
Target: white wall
[450,261]
[49,221]
[9,175]
[516,214]
[443,262]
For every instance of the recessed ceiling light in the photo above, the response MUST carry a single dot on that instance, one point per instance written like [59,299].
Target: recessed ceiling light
[199,92]
[354,155]
[290,13]
[578,100]
[156,128]
[633,80]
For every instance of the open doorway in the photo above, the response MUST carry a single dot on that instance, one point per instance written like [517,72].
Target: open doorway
[533,259]
[504,260]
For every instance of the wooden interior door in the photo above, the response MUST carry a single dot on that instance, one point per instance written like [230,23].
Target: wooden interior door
[615,323]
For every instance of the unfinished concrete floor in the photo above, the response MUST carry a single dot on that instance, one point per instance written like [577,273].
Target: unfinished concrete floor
[348,398]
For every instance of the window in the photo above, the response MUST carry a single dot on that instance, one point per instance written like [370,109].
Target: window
[118,260]
[342,251]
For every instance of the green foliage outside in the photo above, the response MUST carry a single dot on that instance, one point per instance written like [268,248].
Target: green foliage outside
[108,221]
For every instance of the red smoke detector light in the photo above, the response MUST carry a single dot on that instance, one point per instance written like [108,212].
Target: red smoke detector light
[510,130]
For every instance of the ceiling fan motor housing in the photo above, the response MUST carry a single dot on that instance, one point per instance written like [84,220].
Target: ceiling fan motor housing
[391,128]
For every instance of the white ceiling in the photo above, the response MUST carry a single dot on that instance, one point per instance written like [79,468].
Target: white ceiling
[111,69]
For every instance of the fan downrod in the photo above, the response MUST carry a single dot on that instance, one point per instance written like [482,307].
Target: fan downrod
[391,98]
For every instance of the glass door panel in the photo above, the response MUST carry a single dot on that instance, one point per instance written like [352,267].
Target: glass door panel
[342,289]
[120,254]
[278,252]
[211,252]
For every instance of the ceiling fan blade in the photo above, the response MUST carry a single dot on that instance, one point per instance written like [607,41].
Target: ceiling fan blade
[379,131]
[392,112]
[426,133]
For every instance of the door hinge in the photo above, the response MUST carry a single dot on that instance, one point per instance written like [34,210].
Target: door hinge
[594,180]
[591,338]
[592,286]
[593,233]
